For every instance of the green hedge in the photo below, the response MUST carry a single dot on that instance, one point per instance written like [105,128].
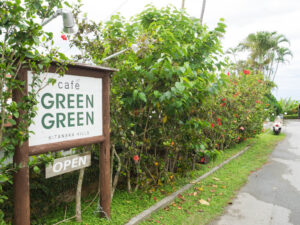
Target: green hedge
[293,116]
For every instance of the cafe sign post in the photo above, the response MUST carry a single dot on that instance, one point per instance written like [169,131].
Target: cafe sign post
[73,112]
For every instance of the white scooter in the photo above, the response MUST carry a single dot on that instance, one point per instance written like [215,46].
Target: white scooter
[277,125]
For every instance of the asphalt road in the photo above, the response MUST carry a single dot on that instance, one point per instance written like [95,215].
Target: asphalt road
[272,194]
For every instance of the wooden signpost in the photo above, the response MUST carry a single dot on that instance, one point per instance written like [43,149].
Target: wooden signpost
[74,112]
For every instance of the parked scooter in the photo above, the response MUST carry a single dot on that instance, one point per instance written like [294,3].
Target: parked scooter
[277,125]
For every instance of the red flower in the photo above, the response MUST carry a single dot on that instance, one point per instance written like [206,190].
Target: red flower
[219,120]
[228,73]
[220,123]
[202,159]
[246,72]
[136,158]
[238,138]
[259,81]
[64,37]
[223,99]
[212,125]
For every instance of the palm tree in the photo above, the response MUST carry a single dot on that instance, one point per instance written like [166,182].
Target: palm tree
[282,52]
[266,51]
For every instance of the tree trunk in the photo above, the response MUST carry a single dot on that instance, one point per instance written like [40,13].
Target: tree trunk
[275,71]
[183,3]
[112,164]
[194,161]
[202,11]
[78,195]
[116,177]
[174,163]
[128,181]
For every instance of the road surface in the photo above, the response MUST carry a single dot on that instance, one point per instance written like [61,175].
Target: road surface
[272,194]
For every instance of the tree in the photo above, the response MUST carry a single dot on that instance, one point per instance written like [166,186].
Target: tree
[266,52]
[156,89]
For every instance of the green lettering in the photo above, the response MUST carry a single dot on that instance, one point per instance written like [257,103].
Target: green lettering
[50,103]
[70,106]
[91,101]
[79,118]
[60,99]
[79,101]
[60,120]
[50,122]
[70,119]
[89,118]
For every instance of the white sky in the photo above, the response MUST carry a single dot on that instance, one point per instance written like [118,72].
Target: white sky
[241,17]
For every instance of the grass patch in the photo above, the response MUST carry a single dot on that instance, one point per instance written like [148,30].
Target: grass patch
[217,190]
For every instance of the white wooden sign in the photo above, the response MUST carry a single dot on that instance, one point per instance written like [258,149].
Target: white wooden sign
[68,110]
[68,164]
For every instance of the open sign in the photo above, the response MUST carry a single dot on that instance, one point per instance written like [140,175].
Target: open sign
[68,164]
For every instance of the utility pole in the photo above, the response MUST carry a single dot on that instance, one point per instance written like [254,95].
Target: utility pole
[202,11]
[182,5]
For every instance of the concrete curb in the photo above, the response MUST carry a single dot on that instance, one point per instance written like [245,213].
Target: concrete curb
[167,200]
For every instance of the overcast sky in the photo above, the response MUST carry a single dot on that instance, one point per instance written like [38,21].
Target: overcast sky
[241,17]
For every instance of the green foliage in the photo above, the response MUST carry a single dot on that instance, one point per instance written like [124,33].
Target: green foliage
[157,89]
[171,102]
[23,44]
[292,116]
[167,94]
[289,106]
[272,101]
[237,112]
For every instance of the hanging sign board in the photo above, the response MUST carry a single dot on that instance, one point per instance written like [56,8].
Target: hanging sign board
[68,164]
[70,109]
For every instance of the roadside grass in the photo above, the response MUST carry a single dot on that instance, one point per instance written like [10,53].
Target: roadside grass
[217,190]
